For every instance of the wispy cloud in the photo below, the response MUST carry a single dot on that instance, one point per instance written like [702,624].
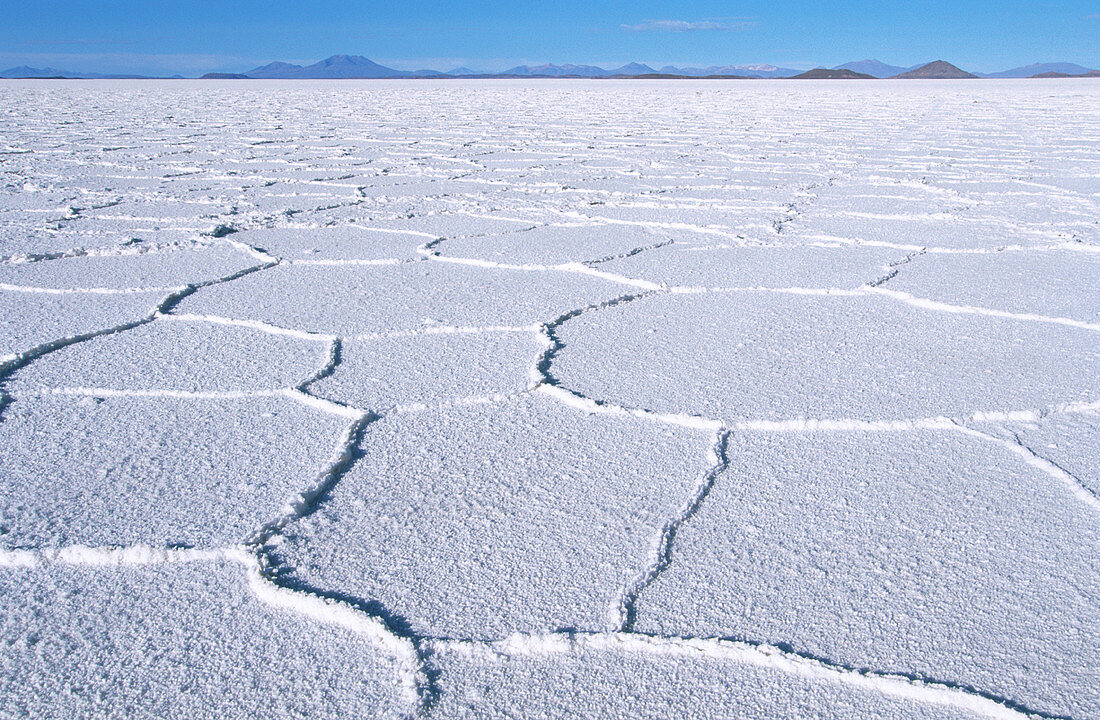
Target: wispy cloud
[104,40]
[689,25]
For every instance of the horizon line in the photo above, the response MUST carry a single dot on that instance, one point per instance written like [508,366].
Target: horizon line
[689,69]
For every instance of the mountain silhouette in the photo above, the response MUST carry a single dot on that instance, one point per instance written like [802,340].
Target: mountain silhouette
[936,70]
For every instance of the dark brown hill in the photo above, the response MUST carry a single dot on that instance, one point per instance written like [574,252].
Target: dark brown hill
[1089,74]
[938,70]
[835,74]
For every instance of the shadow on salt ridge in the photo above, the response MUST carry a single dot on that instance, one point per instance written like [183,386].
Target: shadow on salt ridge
[553,244]
[925,229]
[74,240]
[160,269]
[275,202]
[165,211]
[449,225]
[740,219]
[1070,441]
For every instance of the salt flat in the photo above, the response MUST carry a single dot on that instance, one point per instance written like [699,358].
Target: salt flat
[634,399]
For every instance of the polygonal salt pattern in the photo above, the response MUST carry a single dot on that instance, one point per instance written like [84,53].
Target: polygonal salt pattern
[928,554]
[356,300]
[436,366]
[792,356]
[482,520]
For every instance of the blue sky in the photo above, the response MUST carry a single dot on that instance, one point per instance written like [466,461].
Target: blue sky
[190,37]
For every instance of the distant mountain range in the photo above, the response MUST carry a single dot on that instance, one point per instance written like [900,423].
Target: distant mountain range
[24,71]
[882,70]
[357,66]
[1028,71]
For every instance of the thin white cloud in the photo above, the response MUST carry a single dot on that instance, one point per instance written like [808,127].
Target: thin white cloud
[688,25]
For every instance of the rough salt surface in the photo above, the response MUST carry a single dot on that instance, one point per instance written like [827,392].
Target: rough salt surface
[432,368]
[927,554]
[171,355]
[428,473]
[777,356]
[1039,283]
[613,683]
[483,520]
[353,300]
[156,471]
[179,641]
[30,320]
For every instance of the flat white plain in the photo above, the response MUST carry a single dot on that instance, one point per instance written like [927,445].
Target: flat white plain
[634,399]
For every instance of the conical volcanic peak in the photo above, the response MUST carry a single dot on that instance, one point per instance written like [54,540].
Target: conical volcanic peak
[937,70]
